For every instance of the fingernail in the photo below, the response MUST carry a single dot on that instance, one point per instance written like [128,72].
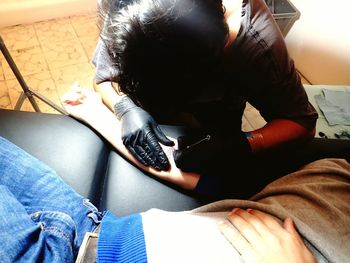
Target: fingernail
[249,210]
[232,211]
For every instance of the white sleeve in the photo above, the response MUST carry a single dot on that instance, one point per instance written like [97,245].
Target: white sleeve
[185,237]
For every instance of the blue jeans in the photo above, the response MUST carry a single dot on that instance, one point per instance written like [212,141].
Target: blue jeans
[42,219]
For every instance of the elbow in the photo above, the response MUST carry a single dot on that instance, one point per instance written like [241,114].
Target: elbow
[310,130]
[310,134]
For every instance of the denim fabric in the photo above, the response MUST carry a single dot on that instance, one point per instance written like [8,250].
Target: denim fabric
[42,219]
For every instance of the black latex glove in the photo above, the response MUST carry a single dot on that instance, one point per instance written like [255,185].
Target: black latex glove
[210,152]
[141,135]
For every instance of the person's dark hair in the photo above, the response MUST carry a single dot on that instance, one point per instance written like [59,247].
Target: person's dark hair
[163,47]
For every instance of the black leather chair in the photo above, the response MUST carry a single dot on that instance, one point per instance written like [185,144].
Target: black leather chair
[89,164]
[95,170]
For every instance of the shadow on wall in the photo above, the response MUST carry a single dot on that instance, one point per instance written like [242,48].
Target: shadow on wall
[323,65]
[319,41]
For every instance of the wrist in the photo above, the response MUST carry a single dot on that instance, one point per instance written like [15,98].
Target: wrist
[98,115]
[123,106]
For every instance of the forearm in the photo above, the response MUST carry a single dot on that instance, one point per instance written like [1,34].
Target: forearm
[277,133]
[109,94]
[106,123]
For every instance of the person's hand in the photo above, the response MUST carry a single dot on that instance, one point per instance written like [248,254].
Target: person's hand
[141,135]
[81,103]
[262,239]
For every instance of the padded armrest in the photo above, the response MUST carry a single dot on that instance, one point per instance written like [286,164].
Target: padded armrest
[73,150]
[88,163]
[128,190]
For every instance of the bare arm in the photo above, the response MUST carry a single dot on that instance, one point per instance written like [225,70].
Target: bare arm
[88,107]
[109,94]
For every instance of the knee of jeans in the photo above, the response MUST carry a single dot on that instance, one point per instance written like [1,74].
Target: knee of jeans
[56,223]
[58,232]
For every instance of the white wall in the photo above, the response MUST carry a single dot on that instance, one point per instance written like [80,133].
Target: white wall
[319,41]
[14,12]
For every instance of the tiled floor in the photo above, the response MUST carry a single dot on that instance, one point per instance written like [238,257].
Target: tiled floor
[52,55]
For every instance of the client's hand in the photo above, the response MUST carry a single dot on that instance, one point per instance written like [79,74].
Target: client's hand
[261,238]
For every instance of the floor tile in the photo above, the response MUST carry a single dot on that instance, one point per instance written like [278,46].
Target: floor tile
[2,77]
[85,25]
[50,56]
[5,102]
[89,45]
[28,60]
[59,54]
[65,77]
[54,30]
[19,37]
[40,82]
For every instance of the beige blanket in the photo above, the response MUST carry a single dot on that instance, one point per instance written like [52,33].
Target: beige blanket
[317,197]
